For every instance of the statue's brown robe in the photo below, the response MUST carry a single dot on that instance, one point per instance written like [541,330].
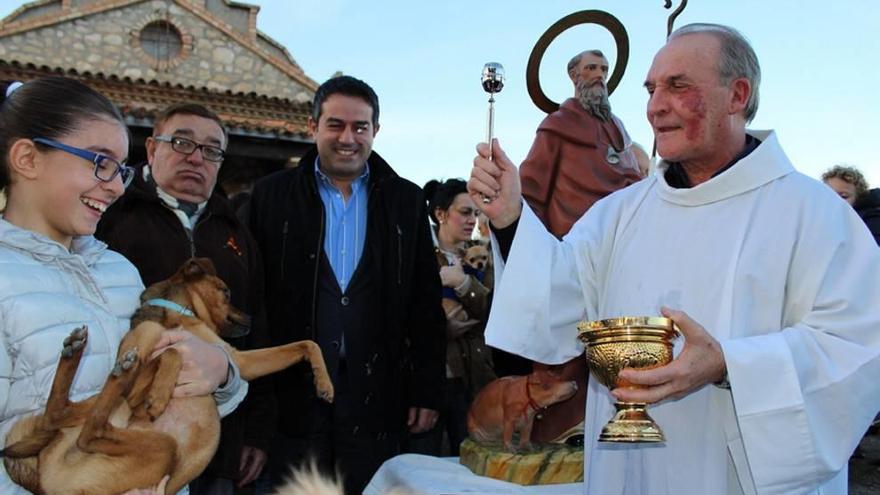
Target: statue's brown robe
[565,172]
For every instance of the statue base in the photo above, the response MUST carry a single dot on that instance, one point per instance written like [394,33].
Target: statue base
[545,464]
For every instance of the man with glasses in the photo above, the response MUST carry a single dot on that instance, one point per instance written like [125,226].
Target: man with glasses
[171,212]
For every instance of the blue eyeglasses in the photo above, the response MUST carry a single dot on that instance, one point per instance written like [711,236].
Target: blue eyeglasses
[106,168]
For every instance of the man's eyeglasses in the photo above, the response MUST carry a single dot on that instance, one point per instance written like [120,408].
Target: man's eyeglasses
[188,147]
[106,168]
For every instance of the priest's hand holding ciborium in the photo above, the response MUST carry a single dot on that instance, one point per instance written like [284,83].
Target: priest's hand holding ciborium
[640,342]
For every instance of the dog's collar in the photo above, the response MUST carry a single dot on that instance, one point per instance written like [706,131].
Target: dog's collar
[165,303]
[534,405]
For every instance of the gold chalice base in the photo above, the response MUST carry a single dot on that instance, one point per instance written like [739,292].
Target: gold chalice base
[631,424]
[629,342]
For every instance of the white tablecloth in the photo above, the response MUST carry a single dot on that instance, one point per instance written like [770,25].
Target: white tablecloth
[427,475]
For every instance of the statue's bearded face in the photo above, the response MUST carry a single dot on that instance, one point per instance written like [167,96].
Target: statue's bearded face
[593,96]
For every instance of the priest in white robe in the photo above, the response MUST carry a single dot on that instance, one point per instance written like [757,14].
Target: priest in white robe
[772,279]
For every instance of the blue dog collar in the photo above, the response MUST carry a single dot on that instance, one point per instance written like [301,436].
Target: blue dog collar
[165,303]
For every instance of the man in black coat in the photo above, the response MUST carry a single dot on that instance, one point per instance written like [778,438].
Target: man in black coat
[868,207]
[349,263]
[172,212]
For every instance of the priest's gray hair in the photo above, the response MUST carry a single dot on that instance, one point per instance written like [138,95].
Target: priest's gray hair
[737,60]
[573,63]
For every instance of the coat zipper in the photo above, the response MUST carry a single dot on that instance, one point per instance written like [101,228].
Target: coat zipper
[317,261]
[191,234]
[283,247]
[399,255]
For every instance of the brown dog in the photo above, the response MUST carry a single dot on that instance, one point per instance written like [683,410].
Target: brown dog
[133,432]
[478,255]
[510,403]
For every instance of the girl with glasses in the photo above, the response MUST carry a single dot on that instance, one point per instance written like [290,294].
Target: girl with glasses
[62,164]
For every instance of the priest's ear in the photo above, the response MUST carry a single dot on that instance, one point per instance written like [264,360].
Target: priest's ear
[740,92]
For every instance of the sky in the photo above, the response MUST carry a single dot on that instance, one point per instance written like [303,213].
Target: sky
[820,64]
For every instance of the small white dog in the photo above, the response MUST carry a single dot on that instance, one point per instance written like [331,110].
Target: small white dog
[310,481]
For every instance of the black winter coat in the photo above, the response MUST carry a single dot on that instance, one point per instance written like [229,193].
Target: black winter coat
[144,230]
[868,207]
[399,362]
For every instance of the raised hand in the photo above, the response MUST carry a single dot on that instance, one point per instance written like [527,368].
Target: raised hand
[498,181]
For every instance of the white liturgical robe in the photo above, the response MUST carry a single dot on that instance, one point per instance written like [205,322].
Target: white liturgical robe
[774,265]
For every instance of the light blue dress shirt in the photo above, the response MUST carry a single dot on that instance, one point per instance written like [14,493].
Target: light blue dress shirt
[346,223]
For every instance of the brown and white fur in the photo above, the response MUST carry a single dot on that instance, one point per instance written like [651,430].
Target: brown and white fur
[133,432]
[309,481]
[478,255]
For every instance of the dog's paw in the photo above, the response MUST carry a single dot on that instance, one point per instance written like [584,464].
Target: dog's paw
[155,407]
[126,363]
[325,389]
[157,401]
[75,342]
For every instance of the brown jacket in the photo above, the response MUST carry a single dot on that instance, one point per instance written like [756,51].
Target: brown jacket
[567,170]
[467,355]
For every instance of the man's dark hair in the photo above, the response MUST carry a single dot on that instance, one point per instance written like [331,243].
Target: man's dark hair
[348,86]
[188,109]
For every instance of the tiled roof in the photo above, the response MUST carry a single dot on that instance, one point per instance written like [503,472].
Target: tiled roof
[141,99]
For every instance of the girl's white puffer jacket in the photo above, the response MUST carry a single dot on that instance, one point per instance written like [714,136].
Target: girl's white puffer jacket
[45,292]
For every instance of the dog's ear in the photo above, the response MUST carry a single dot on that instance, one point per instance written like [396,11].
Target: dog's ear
[197,268]
[207,266]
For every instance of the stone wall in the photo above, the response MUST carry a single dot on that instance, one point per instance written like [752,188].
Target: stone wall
[108,43]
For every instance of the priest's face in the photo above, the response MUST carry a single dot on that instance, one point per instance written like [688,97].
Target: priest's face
[689,108]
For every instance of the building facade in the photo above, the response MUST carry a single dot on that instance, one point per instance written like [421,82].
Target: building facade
[147,54]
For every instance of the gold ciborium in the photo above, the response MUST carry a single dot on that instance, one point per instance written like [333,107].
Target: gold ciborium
[628,342]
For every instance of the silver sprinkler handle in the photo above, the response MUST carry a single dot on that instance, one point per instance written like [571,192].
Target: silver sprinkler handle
[493,81]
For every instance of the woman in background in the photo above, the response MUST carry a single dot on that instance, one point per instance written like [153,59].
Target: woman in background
[466,302]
